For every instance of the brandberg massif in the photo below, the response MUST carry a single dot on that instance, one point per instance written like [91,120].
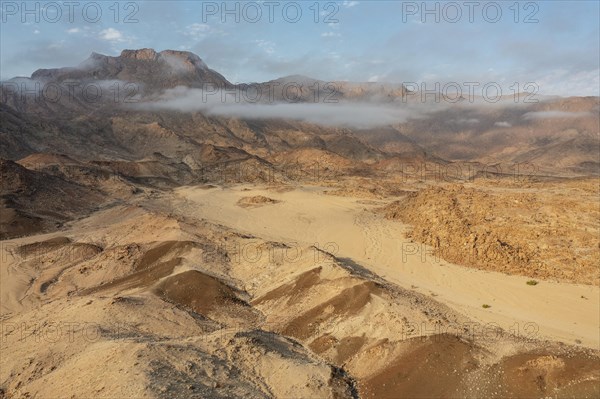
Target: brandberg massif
[167,233]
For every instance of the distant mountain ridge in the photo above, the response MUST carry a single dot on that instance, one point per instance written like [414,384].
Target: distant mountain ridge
[559,131]
[94,150]
[156,70]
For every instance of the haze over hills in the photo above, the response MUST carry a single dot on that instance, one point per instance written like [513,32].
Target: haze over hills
[146,84]
[153,70]
[323,239]
[160,118]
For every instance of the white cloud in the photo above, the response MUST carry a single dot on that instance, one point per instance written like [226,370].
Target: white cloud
[502,124]
[349,4]
[73,30]
[564,82]
[465,121]
[330,34]
[36,31]
[373,79]
[197,31]
[359,114]
[56,45]
[112,35]
[553,114]
[267,46]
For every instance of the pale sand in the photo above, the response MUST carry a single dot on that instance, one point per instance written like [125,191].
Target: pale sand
[347,228]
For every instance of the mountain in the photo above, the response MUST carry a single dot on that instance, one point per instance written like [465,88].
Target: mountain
[153,70]
[555,135]
[130,122]
[218,250]
[303,89]
[33,201]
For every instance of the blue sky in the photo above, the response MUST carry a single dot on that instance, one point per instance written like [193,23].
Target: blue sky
[554,44]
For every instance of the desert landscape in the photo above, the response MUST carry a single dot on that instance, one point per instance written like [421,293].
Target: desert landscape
[162,241]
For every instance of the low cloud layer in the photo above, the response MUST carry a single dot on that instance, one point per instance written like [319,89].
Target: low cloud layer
[554,115]
[354,114]
[359,114]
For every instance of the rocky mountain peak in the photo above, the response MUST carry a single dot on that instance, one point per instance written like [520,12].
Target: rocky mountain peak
[141,54]
[156,71]
[185,59]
